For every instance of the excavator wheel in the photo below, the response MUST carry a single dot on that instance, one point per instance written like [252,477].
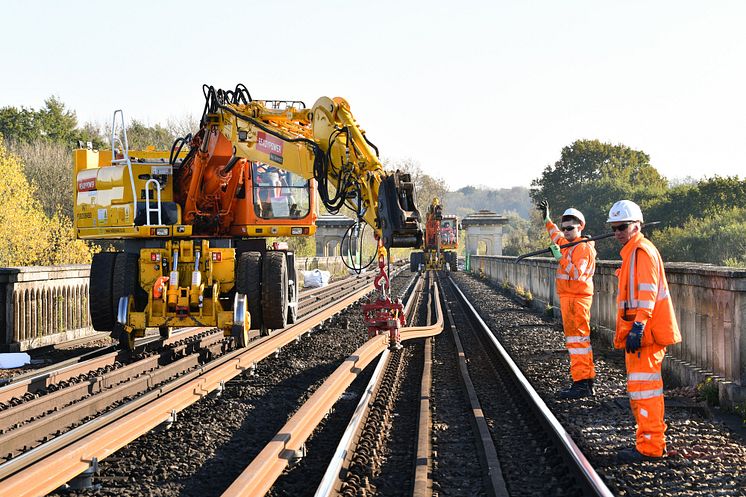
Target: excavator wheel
[249,282]
[413,264]
[275,290]
[293,296]
[125,281]
[100,302]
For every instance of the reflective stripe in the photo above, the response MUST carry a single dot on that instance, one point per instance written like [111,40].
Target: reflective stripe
[643,376]
[645,304]
[647,287]
[644,412]
[647,436]
[553,231]
[631,287]
[645,394]
[563,276]
[662,295]
[583,351]
[577,339]
[583,266]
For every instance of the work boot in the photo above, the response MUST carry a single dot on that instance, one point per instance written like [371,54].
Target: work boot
[632,455]
[579,389]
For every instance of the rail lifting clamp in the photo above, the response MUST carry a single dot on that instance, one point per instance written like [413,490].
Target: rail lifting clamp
[384,315]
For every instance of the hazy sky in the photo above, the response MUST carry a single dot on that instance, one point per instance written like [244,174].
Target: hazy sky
[478,92]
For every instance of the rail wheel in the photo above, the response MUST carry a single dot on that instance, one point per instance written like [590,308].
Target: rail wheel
[292,295]
[100,303]
[126,340]
[249,283]
[241,324]
[275,290]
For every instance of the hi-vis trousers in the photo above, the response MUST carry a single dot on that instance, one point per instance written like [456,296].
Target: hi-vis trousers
[645,389]
[576,321]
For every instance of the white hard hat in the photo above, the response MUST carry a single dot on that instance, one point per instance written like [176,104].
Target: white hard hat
[624,210]
[575,213]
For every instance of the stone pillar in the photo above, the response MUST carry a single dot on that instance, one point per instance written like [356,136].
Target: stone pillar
[484,226]
[330,231]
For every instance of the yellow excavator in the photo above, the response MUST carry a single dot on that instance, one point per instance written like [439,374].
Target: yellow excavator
[194,220]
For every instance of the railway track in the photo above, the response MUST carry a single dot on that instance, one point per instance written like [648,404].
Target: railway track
[47,417]
[449,413]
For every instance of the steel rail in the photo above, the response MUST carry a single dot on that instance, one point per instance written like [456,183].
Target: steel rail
[493,476]
[68,455]
[72,368]
[348,441]
[423,483]
[286,445]
[588,478]
[38,380]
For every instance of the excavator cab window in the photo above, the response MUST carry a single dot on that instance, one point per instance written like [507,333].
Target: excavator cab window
[278,193]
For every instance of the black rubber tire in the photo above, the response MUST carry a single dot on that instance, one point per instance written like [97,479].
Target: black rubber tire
[100,298]
[292,298]
[275,290]
[126,282]
[413,264]
[249,282]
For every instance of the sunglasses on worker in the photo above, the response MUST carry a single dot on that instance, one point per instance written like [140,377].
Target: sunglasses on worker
[620,227]
[568,228]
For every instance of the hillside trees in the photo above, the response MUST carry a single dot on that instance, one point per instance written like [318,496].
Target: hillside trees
[27,235]
[703,220]
[591,176]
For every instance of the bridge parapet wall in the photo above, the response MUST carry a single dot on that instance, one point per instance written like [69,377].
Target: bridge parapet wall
[43,305]
[710,305]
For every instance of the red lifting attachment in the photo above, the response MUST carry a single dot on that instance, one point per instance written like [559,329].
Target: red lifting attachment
[384,315]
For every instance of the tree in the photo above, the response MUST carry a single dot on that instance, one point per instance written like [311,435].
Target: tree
[56,123]
[140,137]
[18,124]
[717,239]
[591,176]
[426,187]
[48,165]
[27,236]
[697,200]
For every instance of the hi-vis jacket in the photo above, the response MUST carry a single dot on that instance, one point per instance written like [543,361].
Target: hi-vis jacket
[576,268]
[643,295]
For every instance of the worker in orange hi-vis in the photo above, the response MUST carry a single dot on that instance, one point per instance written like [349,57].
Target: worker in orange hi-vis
[645,326]
[575,288]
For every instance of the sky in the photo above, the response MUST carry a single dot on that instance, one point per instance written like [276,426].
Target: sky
[476,92]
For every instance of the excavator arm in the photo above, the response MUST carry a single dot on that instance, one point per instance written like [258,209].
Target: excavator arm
[324,143]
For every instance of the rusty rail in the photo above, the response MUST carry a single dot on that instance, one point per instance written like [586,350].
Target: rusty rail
[266,467]
[44,469]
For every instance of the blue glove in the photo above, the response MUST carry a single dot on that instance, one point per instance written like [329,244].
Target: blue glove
[555,251]
[634,339]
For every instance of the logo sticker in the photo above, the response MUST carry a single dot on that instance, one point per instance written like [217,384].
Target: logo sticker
[87,181]
[269,145]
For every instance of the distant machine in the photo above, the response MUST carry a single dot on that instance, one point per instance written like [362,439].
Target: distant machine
[440,250]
